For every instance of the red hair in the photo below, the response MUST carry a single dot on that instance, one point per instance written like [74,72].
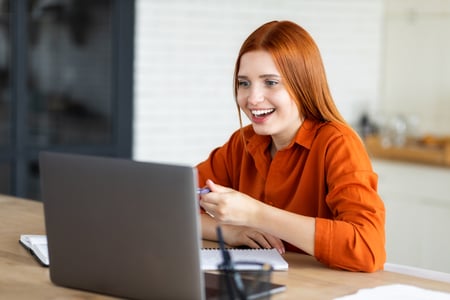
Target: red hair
[298,60]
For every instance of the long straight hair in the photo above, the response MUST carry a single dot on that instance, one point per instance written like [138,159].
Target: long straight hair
[299,62]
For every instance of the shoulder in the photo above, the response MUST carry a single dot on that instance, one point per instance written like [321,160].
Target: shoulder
[313,133]
[335,129]
[245,136]
[237,141]
[248,132]
[342,145]
[336,142]
[340,135]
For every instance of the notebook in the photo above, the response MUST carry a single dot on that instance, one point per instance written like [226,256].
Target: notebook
[126,228]
[210,258]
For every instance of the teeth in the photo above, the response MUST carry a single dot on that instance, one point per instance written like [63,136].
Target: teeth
[261,112]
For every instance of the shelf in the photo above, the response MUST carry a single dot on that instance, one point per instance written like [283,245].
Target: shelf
[414,150]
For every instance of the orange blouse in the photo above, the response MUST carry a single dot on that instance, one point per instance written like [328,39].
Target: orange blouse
[324,173]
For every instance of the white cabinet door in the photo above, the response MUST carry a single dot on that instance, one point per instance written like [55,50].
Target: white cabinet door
[417,199]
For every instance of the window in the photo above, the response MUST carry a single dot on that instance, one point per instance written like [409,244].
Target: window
[65,84]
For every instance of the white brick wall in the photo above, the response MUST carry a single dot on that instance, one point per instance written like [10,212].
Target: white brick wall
[185,54]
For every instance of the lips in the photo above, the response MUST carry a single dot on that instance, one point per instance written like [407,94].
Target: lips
[259,116]
[259,113]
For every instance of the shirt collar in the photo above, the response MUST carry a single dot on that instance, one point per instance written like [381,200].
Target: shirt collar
[305,137]
[307,132]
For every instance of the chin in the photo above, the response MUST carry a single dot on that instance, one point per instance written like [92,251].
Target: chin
[260,130]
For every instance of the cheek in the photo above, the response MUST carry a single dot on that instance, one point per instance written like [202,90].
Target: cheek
[241,100]
[294,110]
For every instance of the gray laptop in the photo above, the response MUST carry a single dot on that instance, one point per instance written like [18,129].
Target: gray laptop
[126,228]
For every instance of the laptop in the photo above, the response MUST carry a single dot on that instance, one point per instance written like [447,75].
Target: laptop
[126,228]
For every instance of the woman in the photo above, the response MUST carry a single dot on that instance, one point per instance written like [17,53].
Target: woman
[298,178]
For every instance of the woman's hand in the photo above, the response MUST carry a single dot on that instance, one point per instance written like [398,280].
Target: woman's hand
[229,206]
[245,236]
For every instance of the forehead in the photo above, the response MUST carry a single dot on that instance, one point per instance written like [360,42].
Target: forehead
[257,63]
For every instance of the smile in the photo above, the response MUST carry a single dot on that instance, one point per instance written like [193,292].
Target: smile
[262,112]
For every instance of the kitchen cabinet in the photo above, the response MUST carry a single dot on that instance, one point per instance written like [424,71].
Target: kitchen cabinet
[417,200]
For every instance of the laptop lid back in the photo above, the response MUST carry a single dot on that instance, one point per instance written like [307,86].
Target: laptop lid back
[120,227]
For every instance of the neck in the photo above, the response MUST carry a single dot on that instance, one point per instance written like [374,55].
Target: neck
[284,139]
[273,149]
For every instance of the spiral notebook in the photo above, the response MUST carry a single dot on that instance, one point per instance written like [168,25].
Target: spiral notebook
[211,257]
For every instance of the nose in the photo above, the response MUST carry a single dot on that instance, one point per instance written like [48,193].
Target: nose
[255,96]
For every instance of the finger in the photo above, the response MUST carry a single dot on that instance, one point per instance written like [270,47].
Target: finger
[214,187]
[211,185]
[252,243]
[207,209]
[209,213]
[261,240]
[208,206]
[211,200]
[275,243]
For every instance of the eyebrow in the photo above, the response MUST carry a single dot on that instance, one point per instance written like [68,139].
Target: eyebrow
[261,76]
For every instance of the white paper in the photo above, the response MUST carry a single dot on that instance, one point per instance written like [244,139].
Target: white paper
[38,245]
[397,292]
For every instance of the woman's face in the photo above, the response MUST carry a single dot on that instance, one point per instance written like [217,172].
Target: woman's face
[263,97]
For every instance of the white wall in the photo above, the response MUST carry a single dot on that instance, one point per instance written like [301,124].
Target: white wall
[185,54]
[417,64]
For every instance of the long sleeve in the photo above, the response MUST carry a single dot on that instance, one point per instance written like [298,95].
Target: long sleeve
[354,238]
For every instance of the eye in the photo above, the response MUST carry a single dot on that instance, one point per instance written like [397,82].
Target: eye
[243,83]
[269,82]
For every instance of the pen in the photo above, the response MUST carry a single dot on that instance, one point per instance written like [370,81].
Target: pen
[203,191]
[227,266]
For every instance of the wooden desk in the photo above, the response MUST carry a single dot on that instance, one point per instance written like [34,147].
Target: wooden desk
[21,277]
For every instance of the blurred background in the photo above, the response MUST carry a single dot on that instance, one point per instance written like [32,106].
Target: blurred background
[151,80]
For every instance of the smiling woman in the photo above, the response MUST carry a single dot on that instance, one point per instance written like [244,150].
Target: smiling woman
[262,95]
[297,178]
